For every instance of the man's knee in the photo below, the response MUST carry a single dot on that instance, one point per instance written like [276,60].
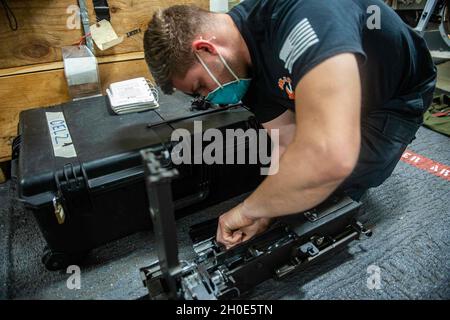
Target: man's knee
[383,142]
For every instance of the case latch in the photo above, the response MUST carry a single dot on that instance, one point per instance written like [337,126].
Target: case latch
[59,210]
[72,193]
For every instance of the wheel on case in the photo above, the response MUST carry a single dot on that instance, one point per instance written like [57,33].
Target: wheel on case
[54,260]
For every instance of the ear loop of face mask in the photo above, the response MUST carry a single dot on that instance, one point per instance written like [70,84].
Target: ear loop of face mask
[209,71]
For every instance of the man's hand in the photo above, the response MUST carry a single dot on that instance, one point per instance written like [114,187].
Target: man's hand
[234,227]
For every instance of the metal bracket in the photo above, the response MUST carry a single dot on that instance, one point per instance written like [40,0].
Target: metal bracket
[157,179]
[319,213]
[426,15]
[84,14]
[309,249]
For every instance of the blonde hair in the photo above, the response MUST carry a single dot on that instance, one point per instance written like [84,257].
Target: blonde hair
[167,42]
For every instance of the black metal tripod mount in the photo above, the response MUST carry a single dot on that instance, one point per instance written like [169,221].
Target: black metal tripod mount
[290,244]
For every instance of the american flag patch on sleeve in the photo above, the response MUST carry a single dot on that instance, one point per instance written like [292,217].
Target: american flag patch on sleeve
[301,38]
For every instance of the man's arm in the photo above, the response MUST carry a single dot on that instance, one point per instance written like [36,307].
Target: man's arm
[285,124]
[326,143]
[322,154]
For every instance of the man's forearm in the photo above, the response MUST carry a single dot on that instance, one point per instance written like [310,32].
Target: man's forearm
[302,182]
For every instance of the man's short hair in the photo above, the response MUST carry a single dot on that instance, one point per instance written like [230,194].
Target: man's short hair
[167,42]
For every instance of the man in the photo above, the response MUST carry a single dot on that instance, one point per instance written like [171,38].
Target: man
[346,83]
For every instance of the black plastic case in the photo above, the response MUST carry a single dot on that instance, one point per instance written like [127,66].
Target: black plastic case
[84,201]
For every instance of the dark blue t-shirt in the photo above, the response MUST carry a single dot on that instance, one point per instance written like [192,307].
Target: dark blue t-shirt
[287,38]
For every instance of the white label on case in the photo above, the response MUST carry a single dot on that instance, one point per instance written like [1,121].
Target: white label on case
[59,133]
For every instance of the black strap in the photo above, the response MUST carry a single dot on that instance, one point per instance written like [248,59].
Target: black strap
[101,9]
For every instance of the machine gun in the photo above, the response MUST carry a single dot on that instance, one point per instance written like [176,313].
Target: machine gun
[291,243]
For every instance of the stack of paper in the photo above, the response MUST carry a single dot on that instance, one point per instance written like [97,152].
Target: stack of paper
[133,95]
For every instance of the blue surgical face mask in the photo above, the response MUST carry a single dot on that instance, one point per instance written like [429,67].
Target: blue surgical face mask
[228,93]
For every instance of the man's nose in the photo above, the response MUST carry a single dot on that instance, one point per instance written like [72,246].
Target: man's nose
[204,92]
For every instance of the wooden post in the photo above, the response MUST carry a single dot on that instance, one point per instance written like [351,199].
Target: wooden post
[2,176]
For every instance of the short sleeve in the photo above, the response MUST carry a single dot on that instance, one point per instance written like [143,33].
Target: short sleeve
[265,113]
[264,108]
[312,31]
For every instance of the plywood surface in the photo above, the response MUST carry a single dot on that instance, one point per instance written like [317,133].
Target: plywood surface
[45,27]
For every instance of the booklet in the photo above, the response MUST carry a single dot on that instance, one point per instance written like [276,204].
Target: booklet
[134,95]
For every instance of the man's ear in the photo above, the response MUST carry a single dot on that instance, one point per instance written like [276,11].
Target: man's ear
[203,45]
